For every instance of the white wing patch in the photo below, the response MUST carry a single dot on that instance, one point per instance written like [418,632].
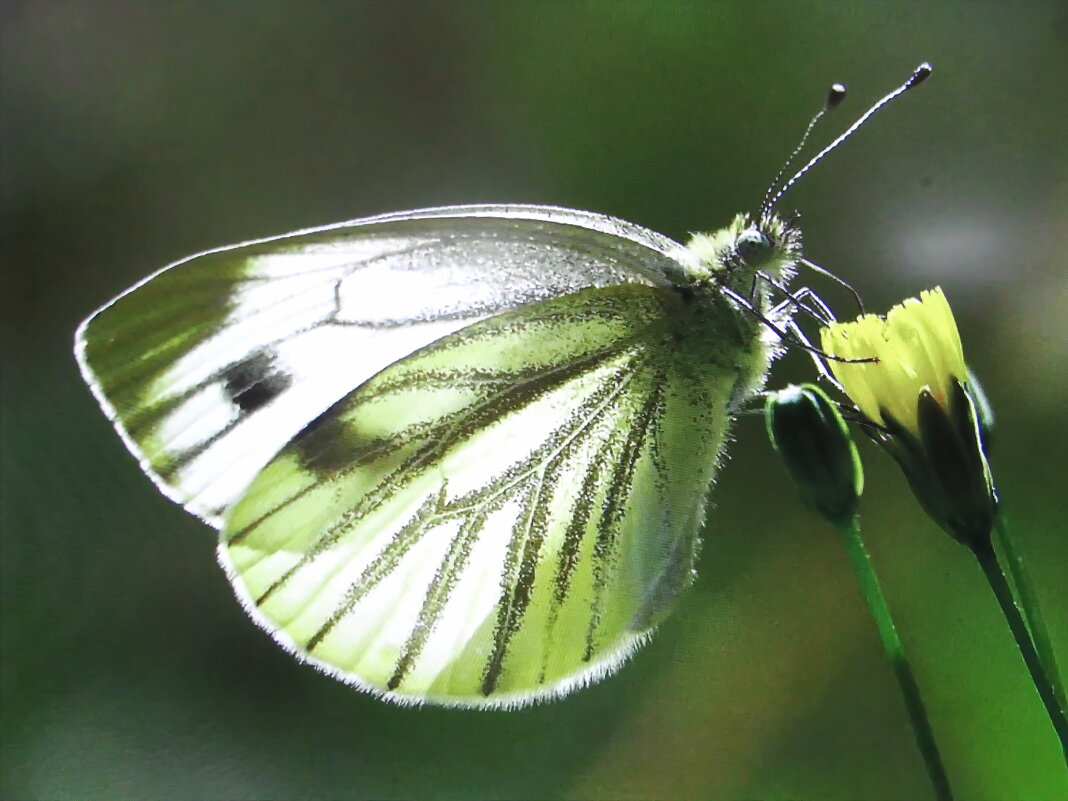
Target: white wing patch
[210,366]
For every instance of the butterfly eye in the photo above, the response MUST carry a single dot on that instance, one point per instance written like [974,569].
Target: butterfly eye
[752,246]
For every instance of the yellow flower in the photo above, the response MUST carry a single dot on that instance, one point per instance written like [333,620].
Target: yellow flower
[921,397]
[918,348]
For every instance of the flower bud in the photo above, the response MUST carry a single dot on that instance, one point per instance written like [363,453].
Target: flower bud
[812,439]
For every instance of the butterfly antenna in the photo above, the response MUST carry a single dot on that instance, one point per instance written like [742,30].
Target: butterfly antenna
[835,96]
[918,76]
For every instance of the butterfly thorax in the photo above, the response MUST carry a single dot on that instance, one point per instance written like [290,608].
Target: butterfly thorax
[726,289]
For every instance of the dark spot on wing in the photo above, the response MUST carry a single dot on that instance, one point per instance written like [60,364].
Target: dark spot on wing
[255,382]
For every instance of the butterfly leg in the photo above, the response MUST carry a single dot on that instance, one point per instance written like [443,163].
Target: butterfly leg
[817,355]
[822,313]
[818,310]
[784,334]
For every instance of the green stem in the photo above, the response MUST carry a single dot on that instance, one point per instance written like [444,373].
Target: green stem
[1031,609]
[895,655]
[988,561]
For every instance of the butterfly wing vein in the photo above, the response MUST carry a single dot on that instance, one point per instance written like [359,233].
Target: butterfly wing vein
[492,519]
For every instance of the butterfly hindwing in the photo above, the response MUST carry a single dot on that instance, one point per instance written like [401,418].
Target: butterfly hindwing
[501,516]
[211,365]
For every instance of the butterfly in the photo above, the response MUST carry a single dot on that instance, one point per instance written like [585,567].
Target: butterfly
[457,455]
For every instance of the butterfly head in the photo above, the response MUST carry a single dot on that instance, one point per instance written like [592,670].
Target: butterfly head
[735,254]
[753,246]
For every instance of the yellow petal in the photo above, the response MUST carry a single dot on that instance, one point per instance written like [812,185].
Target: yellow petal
[918,347]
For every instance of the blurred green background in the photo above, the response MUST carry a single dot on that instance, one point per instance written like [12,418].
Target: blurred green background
[135,133]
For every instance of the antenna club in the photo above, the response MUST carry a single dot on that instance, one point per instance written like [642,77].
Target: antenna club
[835,96]
[919,75]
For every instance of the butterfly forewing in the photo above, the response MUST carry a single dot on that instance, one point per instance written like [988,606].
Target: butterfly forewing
[212,365]
[500,516]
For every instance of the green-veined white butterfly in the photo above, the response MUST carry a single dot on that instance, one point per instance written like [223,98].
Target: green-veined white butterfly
[456,455]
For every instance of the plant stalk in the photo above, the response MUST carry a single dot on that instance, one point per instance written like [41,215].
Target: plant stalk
[895,654]
[988,561]
[1025,594]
